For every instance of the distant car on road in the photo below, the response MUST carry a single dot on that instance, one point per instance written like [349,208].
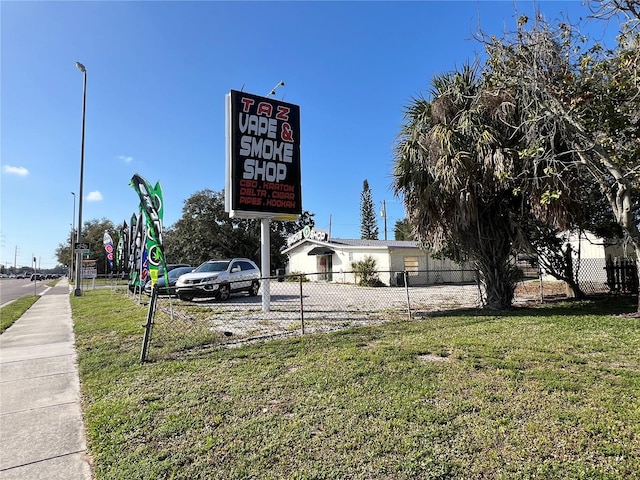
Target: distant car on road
[37,277]
[220,278]
[161,284]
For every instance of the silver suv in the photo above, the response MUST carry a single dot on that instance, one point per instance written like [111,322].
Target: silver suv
[220,278]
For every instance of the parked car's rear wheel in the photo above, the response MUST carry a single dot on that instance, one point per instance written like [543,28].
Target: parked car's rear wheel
[186,297]
[255,286]
[224,293]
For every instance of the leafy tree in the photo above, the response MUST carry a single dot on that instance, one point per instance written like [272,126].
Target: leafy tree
[553,252]
[93,234]
[206,231]
[280,231]
[368,220]
[578,107]
[515,144]
[65,250]
[550,244]
[611,9]
[203,232]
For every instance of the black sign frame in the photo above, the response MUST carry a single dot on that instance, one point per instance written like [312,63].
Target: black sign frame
[263,177]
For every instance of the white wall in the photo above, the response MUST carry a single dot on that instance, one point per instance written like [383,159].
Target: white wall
[592,246]
[343,259]
[594,251]
[300,261]
[388,261]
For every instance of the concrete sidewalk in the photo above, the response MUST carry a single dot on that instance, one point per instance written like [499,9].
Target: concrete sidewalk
[42,434]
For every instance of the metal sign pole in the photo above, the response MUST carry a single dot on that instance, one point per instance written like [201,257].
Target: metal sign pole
[35,277]
[148,326]
[265,265]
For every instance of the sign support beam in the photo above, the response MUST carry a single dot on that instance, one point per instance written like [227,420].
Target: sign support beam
[265,263]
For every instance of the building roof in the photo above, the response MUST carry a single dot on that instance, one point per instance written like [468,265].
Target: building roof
[354,242]
[358,242]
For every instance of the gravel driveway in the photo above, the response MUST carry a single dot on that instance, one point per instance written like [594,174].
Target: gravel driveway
[325,307]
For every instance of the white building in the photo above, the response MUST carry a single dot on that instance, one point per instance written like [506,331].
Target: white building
[324,259]
[591,246]
[598,263]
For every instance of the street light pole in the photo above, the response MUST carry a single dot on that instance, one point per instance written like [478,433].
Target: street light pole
[78,290]
[73,230]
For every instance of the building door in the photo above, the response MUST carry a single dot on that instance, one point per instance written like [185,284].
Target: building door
[325,267]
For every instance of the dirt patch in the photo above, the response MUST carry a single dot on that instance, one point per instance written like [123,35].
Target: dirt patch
[533,288]
[430,358]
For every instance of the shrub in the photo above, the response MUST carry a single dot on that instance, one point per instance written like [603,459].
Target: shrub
[296,277]
[366,270]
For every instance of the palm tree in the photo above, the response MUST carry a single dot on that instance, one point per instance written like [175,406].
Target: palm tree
[455,165]
[402,230]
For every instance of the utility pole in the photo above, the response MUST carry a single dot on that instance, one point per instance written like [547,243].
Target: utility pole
[383,213]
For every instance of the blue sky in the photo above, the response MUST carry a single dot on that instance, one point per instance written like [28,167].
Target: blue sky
[157,76]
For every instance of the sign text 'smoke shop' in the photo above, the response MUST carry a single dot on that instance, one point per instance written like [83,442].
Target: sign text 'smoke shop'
[263,157]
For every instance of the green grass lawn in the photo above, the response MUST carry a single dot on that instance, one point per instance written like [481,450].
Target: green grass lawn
[14,310]
[551,393]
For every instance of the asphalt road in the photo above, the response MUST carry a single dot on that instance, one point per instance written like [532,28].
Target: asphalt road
[13,288]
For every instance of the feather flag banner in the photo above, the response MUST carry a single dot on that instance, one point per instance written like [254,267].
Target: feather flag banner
[107,243]
[157,192]
[151,205]
[154,260]
[135,252]
[122,248]
[144,269]
[132,242]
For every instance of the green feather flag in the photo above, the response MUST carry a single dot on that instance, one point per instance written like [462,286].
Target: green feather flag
[151,204]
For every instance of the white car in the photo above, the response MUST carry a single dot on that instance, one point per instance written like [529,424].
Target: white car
[220,278]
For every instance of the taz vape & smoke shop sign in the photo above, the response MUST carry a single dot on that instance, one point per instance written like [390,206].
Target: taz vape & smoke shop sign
[263,157]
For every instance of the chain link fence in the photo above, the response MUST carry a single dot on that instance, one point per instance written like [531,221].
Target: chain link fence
[311,303]
[613,275]
[301,304]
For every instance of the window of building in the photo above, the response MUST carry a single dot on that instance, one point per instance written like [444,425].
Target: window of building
[411,264]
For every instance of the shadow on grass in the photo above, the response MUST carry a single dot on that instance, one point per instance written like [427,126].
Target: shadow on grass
[620,305]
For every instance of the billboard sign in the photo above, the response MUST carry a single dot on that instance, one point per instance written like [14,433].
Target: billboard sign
[263,177]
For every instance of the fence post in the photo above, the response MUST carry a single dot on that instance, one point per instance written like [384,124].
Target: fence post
[148,326]
[301,304]
[479,285]
[611,280]
[406,289]
[541,285]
